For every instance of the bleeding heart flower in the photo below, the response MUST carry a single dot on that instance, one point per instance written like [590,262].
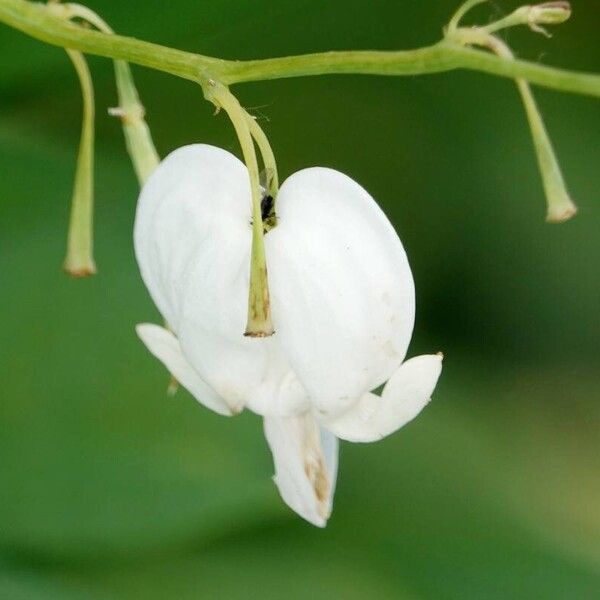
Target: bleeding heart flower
[342,301]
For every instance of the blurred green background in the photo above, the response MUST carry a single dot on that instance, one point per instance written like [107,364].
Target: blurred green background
[110,489]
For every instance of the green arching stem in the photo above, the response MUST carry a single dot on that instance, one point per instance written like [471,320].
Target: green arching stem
[39,22]
[259,310]
[441,57]
[79,260]
[138,138]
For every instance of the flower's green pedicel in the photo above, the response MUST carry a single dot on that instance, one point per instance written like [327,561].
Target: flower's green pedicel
[79,261]
[259,323]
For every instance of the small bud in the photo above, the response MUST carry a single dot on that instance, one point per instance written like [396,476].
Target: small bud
[79,261]
[535,16]
[550,13]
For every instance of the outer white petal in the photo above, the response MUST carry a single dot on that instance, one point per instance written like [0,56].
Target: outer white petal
[193,239]
[406,393]
[305,459]
[342,293]
[195,207]
[164,346]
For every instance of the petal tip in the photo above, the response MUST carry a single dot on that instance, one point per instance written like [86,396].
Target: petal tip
[142,329]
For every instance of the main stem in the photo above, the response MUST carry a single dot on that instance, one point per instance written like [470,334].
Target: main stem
[37,21]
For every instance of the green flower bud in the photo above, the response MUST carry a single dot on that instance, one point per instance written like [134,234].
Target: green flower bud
[550,13]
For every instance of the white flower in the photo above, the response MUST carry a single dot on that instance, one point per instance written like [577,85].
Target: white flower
[342,301]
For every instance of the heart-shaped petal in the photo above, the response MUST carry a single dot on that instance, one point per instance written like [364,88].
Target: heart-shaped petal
[193,238]
[342,292]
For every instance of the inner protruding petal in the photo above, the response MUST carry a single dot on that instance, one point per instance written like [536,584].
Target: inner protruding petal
[341,288]
[305,459]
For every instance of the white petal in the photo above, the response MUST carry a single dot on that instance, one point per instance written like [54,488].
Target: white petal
[164,346]
[404,396]
[305,459]
[193,239]
[195,204]
[330,446]
[342,293]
